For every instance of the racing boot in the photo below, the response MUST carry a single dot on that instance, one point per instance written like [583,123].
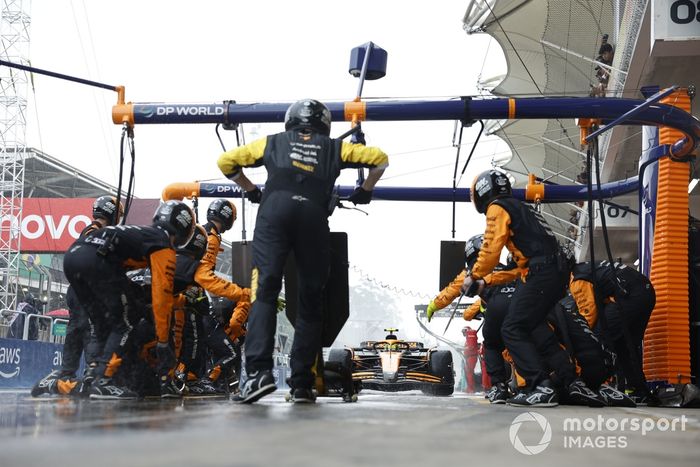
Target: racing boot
[47,384]
[615,398]
[580,394]
[203,387]
[104,389]
[258,384]
[498,394]
[301,396]
[544,395]
[83,388]
[170,390]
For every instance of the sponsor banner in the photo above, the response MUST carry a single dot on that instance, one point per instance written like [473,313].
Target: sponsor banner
[53,224]
[676,20]
[23,363]
[180,113]
[224,190]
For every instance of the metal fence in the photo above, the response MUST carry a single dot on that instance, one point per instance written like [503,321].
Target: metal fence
[18,325]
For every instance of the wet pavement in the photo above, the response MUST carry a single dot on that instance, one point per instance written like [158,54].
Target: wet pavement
[380,429]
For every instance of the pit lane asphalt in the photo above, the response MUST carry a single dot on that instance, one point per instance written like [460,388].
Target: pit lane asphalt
[380,429]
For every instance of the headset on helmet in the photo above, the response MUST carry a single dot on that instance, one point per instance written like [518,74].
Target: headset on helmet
[224,211]
[308,113]
[105,207]
[472,249]
[197,245]
[488,186]
[177,219]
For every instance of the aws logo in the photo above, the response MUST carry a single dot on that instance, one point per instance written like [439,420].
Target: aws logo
[10,356]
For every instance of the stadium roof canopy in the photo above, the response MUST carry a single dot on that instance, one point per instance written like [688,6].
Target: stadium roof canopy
[48,177]
[550,48]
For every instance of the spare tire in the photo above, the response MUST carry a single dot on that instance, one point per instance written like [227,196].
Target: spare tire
[341,356]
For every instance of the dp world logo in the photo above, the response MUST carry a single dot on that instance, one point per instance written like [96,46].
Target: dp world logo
[540,424]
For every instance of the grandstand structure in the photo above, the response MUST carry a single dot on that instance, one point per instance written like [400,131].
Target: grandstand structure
[553,48]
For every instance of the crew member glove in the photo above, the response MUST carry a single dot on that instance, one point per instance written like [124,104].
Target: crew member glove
[360,196]
[234,331]
[166,359]
[193,294]
[472,287]
[254,196]
[432,308]
[359,138]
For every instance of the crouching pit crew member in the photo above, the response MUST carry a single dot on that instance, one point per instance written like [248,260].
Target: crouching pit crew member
[204,334]
[96,268]
[627,299]
[79,337]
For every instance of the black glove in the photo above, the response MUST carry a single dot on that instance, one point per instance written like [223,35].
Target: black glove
[193,294]
[254,196]
[166,358]
[201,307]
[360,196]
[359,138]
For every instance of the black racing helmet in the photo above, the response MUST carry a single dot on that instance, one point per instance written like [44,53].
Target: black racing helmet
[472,249]
[105,207]
[488,186]
[177,219]
[308,113]
[224,211]
[197,245]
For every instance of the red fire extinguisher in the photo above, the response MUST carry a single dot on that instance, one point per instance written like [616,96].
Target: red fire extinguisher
[471,355]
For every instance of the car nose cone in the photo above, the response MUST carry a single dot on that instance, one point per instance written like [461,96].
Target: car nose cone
[389,376]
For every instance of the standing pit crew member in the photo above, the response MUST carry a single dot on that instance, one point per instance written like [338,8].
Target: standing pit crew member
[96,268]
[516,226]
[302,165]
[493,303]
[78,332]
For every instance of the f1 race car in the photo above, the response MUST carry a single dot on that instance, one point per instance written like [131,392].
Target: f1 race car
[395,365]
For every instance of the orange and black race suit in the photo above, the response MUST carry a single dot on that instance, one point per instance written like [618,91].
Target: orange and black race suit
[140,247]
[78,336]
[494,306]
[627,298]
[518,227]
[500,275]
[206,277]
[302,168]
[204,335]
[96,268]
[594,361]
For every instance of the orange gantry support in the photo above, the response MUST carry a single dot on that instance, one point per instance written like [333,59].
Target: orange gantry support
[667,338]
